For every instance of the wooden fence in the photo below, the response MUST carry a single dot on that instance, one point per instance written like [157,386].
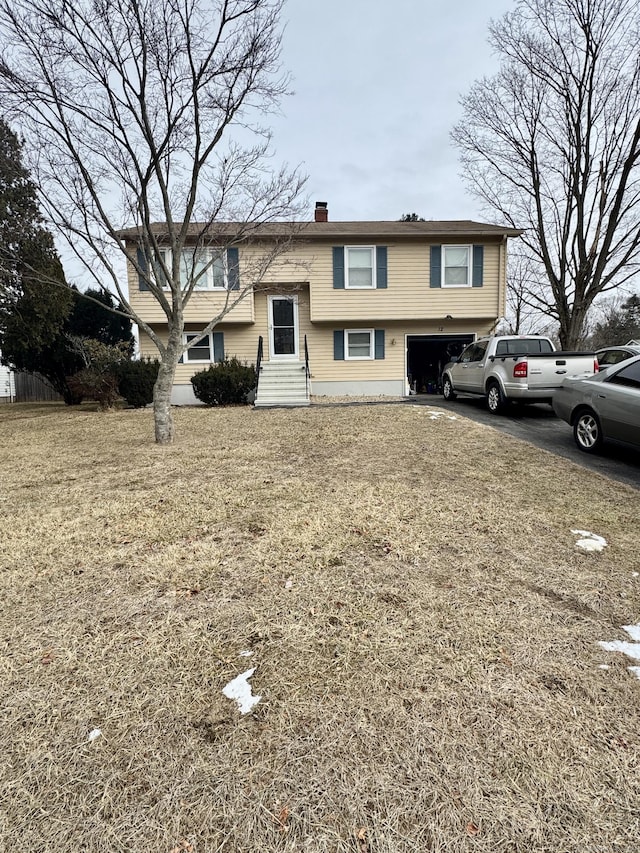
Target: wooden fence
[32,388]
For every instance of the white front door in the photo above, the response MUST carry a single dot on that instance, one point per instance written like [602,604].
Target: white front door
[283,327]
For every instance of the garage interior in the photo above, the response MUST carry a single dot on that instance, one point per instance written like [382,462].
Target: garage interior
[426,358]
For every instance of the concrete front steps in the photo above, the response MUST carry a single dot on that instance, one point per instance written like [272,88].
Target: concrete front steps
[282,383]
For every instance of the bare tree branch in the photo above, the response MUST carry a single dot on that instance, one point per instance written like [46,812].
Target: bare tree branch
[552,144]
[140,112]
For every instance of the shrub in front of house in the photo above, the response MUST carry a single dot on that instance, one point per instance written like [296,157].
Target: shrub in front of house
[136,380]
[95,384]
[225,384]
[98,380]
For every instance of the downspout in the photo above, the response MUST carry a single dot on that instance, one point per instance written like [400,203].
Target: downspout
[501,308]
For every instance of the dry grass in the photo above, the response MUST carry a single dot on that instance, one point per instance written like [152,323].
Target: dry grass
[429,675]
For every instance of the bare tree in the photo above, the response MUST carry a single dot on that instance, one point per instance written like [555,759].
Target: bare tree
[552,142]
[142,112]
[523,289]
[616,321]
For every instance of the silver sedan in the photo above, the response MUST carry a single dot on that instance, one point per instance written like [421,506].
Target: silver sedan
[604,407]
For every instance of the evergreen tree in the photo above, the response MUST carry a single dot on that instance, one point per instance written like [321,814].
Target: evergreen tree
[34,298]
[93,317]
[39,313]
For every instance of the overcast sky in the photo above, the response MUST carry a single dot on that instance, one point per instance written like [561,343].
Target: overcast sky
[377,88]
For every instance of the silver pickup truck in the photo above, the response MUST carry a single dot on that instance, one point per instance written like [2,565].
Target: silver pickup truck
[525,369]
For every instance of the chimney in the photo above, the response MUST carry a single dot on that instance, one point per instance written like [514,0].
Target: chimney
[322,213]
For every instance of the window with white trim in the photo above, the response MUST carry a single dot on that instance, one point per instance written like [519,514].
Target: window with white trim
[202,352]
[360,267]
[456,266]
[358,344]
[206,267]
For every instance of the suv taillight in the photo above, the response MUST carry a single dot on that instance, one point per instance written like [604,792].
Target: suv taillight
[596,366]
[521,370]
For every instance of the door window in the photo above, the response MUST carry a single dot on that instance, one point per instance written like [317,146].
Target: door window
[613,356]
[474,352]
[467,354]
[628,376]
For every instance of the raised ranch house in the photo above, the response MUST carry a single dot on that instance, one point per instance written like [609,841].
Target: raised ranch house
[370,308]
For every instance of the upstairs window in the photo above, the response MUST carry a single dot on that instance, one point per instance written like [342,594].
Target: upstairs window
[208,268]
[205,267]
[360,267]
[456,266]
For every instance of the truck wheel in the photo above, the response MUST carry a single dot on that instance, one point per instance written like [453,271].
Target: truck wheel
[496,401]
[447,389]
[587,431]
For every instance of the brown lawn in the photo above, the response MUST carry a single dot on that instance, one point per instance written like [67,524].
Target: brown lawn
[423,628]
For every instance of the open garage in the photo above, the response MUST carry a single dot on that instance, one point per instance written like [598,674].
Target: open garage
[427,356]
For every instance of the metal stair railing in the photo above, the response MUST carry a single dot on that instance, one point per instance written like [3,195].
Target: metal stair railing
[259,362]
[307,372]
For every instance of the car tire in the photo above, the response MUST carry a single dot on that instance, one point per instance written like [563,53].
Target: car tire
[496,401]
[587,432]
[447,389]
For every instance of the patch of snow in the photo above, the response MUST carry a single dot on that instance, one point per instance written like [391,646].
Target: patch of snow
[589,541]
[240,690]
[604,666]
[635,574]
[288,583]
[633,631]
[93,734]
[436,414]
[631,650]
[245,654]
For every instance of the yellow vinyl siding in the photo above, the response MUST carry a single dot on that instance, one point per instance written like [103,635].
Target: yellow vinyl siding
[201,308]
[239,341]
[243,343]
[408,293]
[325,368]
[407,306]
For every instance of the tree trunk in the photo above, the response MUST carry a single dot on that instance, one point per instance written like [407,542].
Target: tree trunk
[162,416]
[571,331]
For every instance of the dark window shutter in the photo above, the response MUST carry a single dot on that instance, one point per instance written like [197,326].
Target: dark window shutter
[436,267]
[218,346]
[478,265]
[142,263]
[338,268]
[233,268]
[379,343]
[381,267]
[338,345]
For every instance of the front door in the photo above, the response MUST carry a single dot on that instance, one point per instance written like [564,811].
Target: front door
[283,327]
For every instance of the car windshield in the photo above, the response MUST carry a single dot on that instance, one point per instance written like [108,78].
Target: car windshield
[523,346]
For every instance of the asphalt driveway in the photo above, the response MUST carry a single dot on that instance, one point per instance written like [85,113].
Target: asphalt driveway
[539,425]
